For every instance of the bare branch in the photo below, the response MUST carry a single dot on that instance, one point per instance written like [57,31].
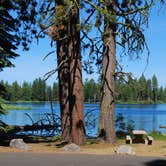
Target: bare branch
[50,73]
[48,54]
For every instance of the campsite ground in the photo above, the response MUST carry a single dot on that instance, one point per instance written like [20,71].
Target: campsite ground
[158,148]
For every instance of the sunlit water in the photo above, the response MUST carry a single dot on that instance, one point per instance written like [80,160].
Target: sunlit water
[147,117]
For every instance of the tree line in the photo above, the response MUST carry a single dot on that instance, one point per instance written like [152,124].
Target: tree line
[139,90]
[38,90]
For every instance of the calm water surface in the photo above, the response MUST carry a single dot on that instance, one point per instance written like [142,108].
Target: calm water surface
[147,117]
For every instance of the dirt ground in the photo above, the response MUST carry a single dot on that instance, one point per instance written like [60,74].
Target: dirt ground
[157,149]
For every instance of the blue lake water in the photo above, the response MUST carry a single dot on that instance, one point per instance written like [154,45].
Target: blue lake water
[147,117]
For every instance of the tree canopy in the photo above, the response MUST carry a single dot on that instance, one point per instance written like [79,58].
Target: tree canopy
[8,39]
[16,28]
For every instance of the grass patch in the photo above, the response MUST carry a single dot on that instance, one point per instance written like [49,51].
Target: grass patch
[23,101]
[136,102]
[158,136]
[13,107]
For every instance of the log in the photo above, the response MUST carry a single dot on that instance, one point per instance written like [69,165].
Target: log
[163,127]
[34,127]
[3,124]
[15,129]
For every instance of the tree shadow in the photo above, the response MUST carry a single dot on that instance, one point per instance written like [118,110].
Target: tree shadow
[61,144]
[27,139]
[159,162]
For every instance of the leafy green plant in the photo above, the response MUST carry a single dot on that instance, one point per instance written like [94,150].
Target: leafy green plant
[130,126]
[119,122]
[2,109]
[158,136]
[123,127]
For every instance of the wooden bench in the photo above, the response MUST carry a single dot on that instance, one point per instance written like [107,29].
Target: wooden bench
[163,127]
[128,139]
[150,140]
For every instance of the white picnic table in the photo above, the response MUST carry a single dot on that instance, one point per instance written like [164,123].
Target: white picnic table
[138,136]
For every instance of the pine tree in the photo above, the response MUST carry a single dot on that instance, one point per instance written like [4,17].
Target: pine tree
[55,92]
[122,24]
[16,18]
[148,90]
[142,88]
[154,88]
[49,93]
[39,90]
[15,91]
[90,90]
[26,92]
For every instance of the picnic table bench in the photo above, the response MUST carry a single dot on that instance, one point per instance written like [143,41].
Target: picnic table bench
[128,139]
[138,137]
[163,127]
[150,140]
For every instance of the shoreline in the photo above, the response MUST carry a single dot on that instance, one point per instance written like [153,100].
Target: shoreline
[10,107]
[118,102]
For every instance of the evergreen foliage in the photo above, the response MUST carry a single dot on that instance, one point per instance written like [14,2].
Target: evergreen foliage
[140,90]
[37,91]
[91,91]
[8,40]
[17,18]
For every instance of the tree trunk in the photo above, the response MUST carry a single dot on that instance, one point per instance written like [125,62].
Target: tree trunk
[76,97]
[106,122]
[70,81]
[63,76]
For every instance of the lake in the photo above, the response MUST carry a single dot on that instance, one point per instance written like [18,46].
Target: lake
[147,117]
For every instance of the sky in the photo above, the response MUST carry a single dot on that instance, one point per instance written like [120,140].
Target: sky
[30,65]
[156,39]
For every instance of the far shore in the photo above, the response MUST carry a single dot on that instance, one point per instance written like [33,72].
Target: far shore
[14,107]
[9,104]
[86,102]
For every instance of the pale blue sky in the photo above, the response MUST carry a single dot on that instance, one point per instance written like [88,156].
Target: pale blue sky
[30,65]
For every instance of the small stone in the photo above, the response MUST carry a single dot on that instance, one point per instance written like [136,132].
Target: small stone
[125,150]
[19,144]
[71,147]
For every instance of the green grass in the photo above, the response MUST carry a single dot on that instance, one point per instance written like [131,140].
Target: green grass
[23,101]
[136,102]
[13,107]
[158,136]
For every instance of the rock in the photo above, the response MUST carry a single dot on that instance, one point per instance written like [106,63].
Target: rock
[125,150]
[19,144]
[71,147]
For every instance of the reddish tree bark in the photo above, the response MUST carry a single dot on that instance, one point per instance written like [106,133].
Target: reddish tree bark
[70,81]
[106,122]
[63,77]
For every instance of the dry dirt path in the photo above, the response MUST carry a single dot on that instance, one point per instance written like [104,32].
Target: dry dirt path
[46,159]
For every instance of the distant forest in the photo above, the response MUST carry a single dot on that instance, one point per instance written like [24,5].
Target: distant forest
[140,90]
